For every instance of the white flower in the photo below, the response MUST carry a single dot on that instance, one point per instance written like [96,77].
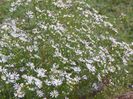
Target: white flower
[62,4]
[66,98]
[76,69]
[111,69]
[78,52]
[95,86]
[41,72]
[84,77]
[28,78]
[12,77]
[91,67]
[3,77]
[48,83]
[19,94]
[13,7]
[31,65]
[30,14]
[38,9]
[39,93]
[5,27]
[38,83]
[58,27]
[54,94]
[16,86]
[3,58]
[77,79]
[56,82]
[18,90]
[42,25]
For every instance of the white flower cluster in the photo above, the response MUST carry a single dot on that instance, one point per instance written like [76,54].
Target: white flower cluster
[54,45]
[61,4]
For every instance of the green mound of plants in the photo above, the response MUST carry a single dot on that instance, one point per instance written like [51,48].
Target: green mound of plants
[58,49]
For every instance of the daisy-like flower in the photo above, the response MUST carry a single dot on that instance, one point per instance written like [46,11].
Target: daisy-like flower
[54,94]
[41,72]
[91,67]
[12,77]
[56,82]
[76,69]
[38,83]
[19,93]
[3,58]
[40,93]
[30,14]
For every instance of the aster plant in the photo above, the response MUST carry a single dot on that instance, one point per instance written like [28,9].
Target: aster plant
[58,49]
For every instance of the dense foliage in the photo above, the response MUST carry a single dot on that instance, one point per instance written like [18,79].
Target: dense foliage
[58,49]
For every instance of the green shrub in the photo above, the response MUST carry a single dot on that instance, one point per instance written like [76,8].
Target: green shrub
[58,49]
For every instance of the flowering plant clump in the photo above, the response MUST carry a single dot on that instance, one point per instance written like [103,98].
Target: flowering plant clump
[56,49]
